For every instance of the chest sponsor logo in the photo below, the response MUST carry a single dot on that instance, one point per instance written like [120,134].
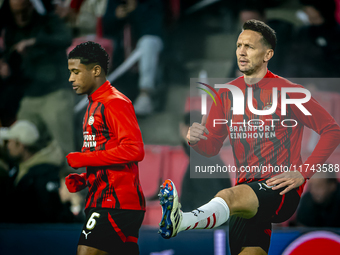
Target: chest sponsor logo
[90,141]
[252,132]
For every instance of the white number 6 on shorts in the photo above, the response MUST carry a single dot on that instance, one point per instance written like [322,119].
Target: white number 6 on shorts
[91,223]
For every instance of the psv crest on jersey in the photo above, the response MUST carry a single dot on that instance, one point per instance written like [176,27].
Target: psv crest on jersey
[267,106]
[91,120]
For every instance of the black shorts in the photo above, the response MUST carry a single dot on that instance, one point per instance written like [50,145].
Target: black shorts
[273,208]
[112,230]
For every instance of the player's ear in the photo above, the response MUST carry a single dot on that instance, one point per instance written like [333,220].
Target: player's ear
[97,70]
[269,54]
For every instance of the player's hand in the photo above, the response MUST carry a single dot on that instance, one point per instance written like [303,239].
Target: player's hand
[196,131]
[74,159]
[75,182]
[291,180]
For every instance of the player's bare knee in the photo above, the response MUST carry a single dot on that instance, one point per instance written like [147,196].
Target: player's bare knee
[241,200]
[247,206]
[228,195]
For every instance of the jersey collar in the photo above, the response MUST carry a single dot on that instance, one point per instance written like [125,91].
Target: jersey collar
[100,91]
[263,81]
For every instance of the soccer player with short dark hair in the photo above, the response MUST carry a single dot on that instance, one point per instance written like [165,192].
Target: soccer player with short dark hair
[259,198]
[112,147]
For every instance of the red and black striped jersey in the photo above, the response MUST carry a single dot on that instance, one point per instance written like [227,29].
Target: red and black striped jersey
[267,145]
[112,147]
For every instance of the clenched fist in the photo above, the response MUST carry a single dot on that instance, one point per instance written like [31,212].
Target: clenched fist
[196,131]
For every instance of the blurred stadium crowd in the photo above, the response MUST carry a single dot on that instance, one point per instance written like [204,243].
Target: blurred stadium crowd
[173,41]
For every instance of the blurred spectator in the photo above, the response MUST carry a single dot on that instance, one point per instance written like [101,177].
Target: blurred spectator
[31,194]
[63,10]
[316,48]
[41,6]
[3,9]
[197,191]
[320,206]
[146,20]
[4,167]
[11,92]
[255,9]
[35,49]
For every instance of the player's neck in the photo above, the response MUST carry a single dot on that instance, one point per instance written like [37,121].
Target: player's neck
[257,76]
[98,82]
[102,80]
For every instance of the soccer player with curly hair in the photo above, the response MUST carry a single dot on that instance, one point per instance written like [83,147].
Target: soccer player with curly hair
[112,148]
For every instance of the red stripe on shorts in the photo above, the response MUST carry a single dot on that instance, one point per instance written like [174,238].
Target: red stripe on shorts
[268,232]
[120,233]
[281,204]
[195,225]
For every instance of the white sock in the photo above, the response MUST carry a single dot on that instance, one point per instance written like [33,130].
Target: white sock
[210,215]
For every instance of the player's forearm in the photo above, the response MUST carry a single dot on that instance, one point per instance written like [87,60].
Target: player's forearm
[329,140]
[208,148]
[122,154]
